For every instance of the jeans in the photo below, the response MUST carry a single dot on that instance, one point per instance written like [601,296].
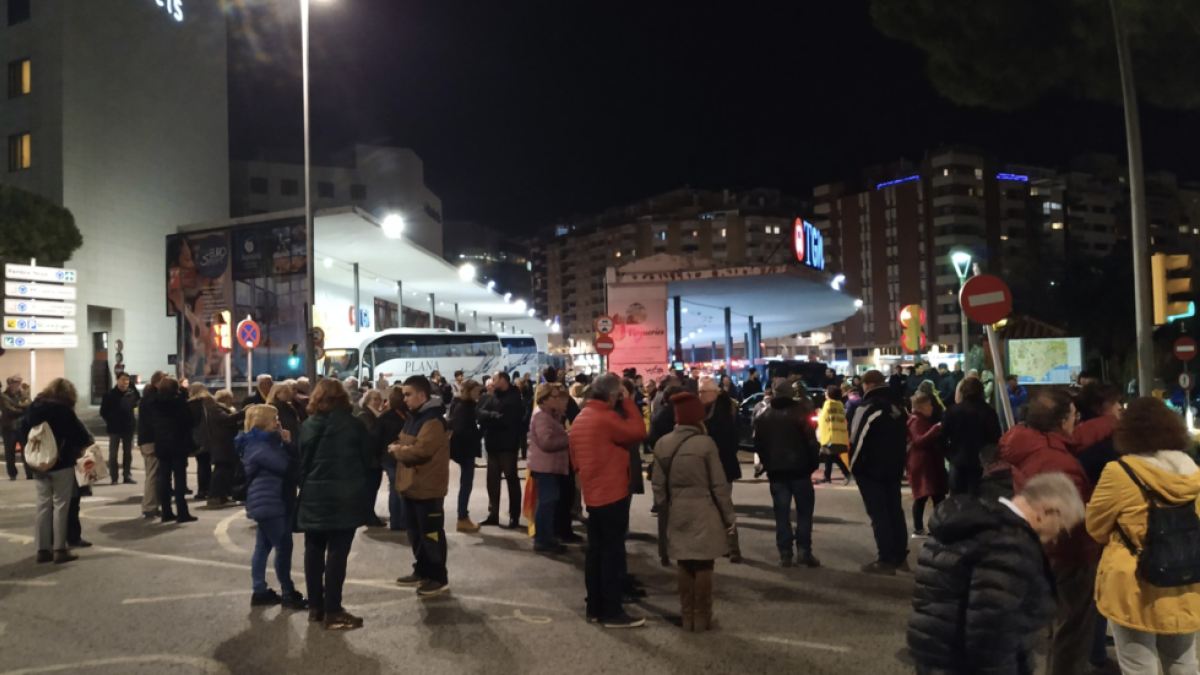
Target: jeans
[604,568]
[173,467]
[54,492]
[221,484]
[503,463]
[273,533]
[1141,653]
[396,519]
[549,492]
[123,442]
[427,534]
[882,500]
[10,453]
[1074,625]
[965,480]
[203,473]
[783,493]
[919,511]
[325,555]
[466,483]
[150,480]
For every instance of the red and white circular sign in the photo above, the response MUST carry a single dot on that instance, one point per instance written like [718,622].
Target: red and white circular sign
[1185,349]
[985,299]
[604,325]
[605,346]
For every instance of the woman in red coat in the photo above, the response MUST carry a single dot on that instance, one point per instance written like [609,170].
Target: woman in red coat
[926,460]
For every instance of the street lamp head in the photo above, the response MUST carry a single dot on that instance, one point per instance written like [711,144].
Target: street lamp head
[466,272]
[491,284]
[520,305]
[532,311]
[508,297]
[858,303]
[328,262]
[962,263]
[837,282]
[393,226]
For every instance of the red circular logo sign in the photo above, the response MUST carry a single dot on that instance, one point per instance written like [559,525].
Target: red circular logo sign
[985,299]
[605,346]
[1185,349]
[798,237]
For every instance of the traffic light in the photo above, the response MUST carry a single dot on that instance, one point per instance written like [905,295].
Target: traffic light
[1172,287]
[222,335]
[294,356]
[912,317]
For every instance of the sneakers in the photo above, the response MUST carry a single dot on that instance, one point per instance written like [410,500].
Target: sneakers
[294,600]
[880,568]
[342,621]
[465,525]
[785,560]
[430,587]
[809,560]
[410,581]
[623,620]
[61,557]
[44,556]
[267,598]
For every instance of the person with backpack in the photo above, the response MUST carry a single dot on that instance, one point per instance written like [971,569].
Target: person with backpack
[1144,512]
[53,438]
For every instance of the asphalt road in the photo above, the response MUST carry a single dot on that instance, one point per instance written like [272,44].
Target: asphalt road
[154,599]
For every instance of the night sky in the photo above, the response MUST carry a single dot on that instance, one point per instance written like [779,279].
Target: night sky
[528,112]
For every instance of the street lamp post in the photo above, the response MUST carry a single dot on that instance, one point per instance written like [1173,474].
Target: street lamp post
[962,264]
[310,353]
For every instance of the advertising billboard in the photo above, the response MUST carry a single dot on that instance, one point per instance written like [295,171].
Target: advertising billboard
[639,314]
[1046,361]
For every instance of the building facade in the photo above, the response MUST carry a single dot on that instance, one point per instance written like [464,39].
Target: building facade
[380,180]
[119,112]
[727,227]
[495,256]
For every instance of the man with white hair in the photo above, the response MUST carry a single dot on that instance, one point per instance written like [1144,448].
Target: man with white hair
[984,592]
[261,389]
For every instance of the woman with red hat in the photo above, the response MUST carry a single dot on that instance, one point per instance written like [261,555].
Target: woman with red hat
[690,483]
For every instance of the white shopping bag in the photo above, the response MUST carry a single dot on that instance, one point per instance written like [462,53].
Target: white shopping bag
[90,468]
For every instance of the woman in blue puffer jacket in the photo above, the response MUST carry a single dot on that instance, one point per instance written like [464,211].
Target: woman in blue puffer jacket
[271,461]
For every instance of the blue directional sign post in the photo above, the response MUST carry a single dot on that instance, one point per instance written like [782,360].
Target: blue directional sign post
[34,316]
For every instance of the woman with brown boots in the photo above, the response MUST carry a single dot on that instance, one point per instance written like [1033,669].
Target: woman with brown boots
[690,483]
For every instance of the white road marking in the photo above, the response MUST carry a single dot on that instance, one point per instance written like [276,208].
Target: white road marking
[221,532]
[202,664]
[36,584]
[19,538]
[173,598]
[798,643]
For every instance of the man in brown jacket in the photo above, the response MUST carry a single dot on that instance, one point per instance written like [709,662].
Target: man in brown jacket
[423,454]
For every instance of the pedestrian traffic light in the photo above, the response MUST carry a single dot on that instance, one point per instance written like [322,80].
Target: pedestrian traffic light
[1172,279]
[222,336]
[912,317]
[294,356]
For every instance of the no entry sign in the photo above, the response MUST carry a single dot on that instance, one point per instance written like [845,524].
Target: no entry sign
[605,346]
[1185,349]
[986,299]
[248,334]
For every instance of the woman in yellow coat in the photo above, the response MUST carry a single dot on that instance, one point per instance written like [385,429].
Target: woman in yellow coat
[1151,625]
[832,432]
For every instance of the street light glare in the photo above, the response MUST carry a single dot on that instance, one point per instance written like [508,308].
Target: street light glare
[466,272]
[961,258]
[858,303]
[520,305]
[329,262]
[393,226]
[491,285]
[508,297]
[837,282]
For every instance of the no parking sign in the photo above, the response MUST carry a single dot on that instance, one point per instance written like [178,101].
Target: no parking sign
[248,334]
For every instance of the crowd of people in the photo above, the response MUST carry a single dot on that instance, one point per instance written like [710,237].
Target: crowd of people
[1056,522]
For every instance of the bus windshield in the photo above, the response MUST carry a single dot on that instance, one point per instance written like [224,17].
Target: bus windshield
[340,363]
[519,345]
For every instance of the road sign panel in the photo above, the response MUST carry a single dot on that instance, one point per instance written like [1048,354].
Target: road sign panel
[39,341]
[21,289]
[605,346]
[37,324]
[1185,349]
[605,325]
[248,334]
[12,306]
[985,299]
[31,273]
[1185,381]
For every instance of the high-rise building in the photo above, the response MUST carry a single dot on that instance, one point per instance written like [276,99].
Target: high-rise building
[728,227]
[380,180]
[119,112]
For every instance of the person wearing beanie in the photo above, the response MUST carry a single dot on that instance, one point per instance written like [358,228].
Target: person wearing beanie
[787,444]
[692,493]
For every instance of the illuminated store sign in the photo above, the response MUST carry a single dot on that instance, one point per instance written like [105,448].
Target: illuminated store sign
[809,244]
[173,7]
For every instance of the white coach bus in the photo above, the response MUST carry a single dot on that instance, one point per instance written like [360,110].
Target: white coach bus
[399,353]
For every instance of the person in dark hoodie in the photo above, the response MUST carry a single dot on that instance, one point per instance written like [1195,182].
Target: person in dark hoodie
[790,452]
[387,431]
[117,410]
[56,487]
[878,440]
[271,460]
[969,427]
[721,425]
[984,593]
[173,444]
[145,429]
[465,447]
[502,418]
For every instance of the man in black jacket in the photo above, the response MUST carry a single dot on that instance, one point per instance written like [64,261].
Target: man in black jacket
[969,427]
[984,591]
[787,445]
[117,410]
[752,386]
[502,418]
[878,451]
[145,429]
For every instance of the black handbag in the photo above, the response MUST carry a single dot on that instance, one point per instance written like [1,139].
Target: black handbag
[1170,554]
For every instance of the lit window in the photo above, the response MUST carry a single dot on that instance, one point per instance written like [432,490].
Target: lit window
[1033,191]
[946,172]
[18,78]
[1056,226]
[618,254]
[767,229]
[1004,237]
[19,152]
[1183,229]
[776,229]
[978,174]
[722,232]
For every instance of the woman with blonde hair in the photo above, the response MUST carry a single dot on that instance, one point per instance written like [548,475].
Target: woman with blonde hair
[336,453]
[283,396]
[56,486]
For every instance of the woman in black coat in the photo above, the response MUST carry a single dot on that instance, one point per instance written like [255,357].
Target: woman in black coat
[173,444]
[388,426]
[465,448]
[370,408]
[217,426]
[283,397]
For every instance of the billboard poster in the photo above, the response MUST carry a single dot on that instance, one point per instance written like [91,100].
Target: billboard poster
[639,313]
[199,285]
[272,249]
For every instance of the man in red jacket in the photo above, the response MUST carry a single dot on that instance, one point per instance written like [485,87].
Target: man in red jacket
[599,452]
[1041,446]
